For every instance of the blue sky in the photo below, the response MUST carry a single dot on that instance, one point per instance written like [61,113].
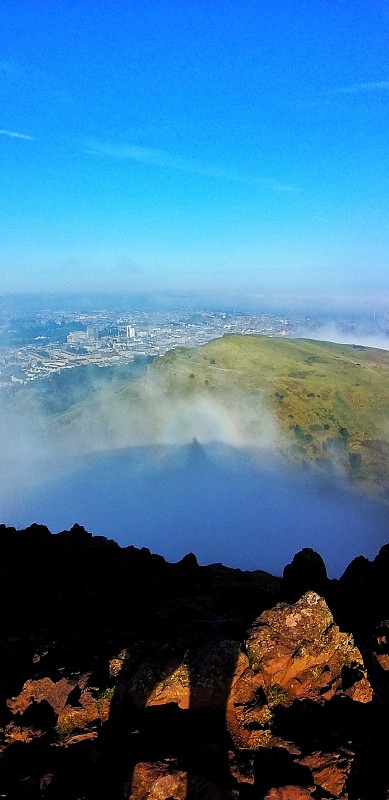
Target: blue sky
[237,147]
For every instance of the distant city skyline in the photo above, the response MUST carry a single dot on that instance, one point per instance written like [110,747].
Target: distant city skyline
[236,149]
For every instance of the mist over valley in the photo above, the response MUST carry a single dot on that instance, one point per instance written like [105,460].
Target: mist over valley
[242,451]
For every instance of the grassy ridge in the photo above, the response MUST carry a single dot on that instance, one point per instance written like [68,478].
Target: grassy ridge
[331,401]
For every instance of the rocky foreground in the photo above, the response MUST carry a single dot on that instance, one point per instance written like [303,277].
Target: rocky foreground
[124,676]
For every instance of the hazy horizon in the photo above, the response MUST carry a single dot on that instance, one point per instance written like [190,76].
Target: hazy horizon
[329,307]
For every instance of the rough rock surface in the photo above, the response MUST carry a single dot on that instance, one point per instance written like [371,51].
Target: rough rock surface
[306,572]
[159,781]
[294,652]
[198,676]
[289,793]
[381,646]
[122,675]
[330,771]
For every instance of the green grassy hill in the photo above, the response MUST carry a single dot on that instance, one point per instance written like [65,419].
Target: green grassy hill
[314,402]
[331,401]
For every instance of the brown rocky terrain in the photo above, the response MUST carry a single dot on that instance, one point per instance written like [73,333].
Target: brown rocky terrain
[124,676]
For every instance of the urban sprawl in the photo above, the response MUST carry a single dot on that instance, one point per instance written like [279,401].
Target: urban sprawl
[35,346]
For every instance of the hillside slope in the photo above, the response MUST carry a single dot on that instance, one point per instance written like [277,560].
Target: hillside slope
[331,401]
[318,403]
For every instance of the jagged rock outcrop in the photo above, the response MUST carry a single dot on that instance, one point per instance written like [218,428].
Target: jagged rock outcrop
[289,793]
[124,675]
[306,572]
[380,647]
[75,709]
[330,771]
[293,652]
[159,781]
[198,676]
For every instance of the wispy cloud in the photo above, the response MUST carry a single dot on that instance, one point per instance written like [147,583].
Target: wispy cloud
[14,134]
[372,86]
[161,158]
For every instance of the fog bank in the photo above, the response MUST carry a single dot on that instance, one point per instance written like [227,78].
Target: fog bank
[356,334]
[221,503]
[200,474]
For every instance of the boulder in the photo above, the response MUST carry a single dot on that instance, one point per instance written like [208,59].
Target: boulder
[381,646]
[164,781]
[197,677]
[293,652]
[289,793]
[56,693]
[330,770]
[306,572]
[73,706]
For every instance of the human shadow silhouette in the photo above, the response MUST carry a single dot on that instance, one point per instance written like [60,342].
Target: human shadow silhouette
[182,721]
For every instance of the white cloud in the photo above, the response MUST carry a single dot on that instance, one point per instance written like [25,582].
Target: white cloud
[15,134]
[161,158]
[371,86]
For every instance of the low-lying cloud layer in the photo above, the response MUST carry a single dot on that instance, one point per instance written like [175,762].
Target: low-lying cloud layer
[37,445]
[198,473]
[331,331]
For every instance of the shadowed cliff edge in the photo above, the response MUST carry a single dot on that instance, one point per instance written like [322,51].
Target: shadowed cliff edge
[123,675]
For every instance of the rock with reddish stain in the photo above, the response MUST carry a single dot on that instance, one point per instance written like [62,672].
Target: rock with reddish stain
[163,781]
[289,793]
[292,652]
[330,770]
[73,717]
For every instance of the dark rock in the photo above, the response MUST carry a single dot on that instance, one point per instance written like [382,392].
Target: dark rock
[118,671]
[307,572]
[294,652]
[188,562]
[39,715]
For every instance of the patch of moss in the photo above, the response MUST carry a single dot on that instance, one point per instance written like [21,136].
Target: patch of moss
[316,673]
[66,726]
[105,696]
[276,695]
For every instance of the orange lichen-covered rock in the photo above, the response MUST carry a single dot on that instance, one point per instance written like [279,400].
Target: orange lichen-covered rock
[381,646]
[294,652]
[289,793]
[55,692]
[299,648]
[73,706]
[198,678]
[330,770]
[162,781]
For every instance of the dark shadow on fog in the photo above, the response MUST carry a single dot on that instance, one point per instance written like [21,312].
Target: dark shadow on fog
[225,505]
